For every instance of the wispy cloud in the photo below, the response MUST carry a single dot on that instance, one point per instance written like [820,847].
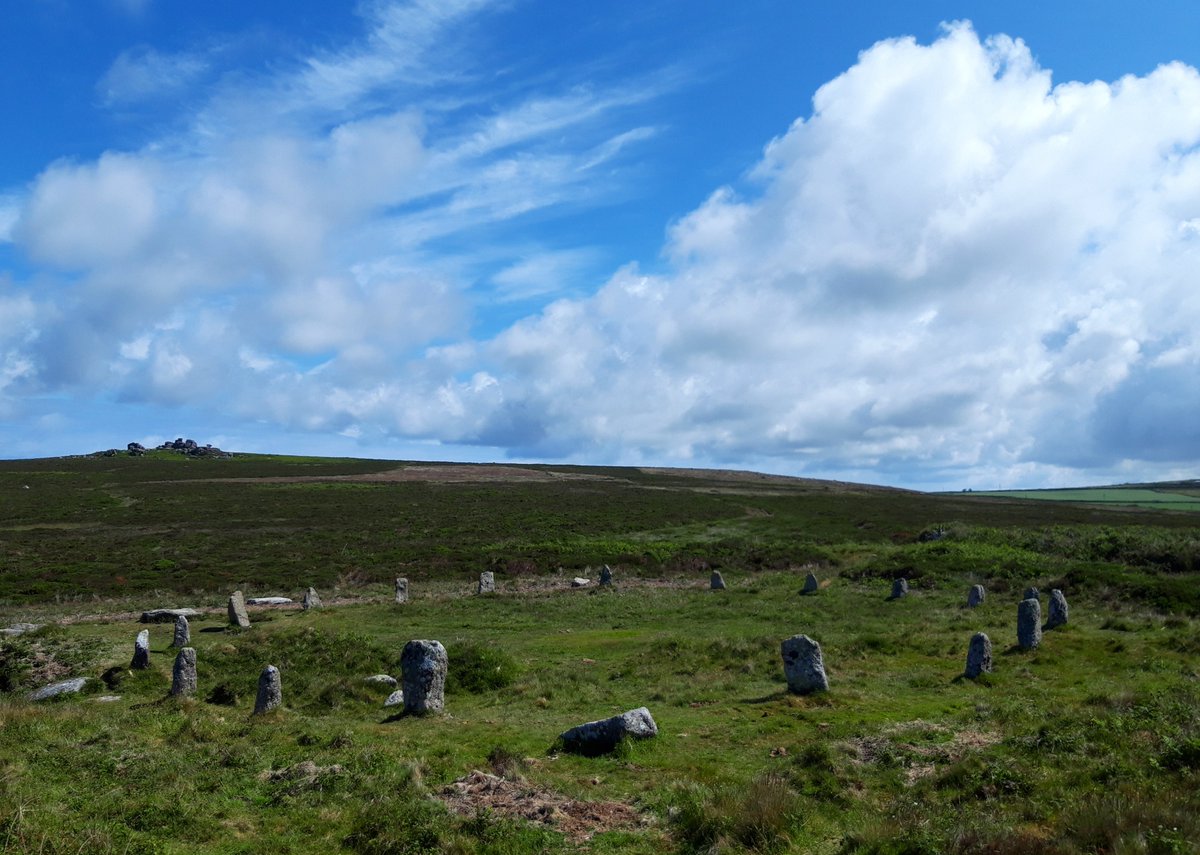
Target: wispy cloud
[144,74]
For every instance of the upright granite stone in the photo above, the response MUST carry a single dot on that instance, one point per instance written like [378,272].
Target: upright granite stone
[141,651]
[1031,593]
[270,691]
[487,582]
[899,588]
[716,581]
[1029,623]
[810,584]
[183,674]
[976,595]
[424,664]
[803,665]
[1058,609]
[401,591]
[237,610]
[601,737]
[979,655]
[183,633]
[606,579]
[312,600]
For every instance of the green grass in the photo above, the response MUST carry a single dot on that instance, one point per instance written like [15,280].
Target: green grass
[1125,496]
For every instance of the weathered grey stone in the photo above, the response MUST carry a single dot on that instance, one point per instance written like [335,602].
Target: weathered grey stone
[183,632]
[395,699]
[183,673]
[381,680]
[312,600]
[1058,609]
[1031,593]
[401,590]
[979,655]
[606,578]
[167,615]
[141,651]
[976,595]
[424,664]
[601,737]
[899,588]
[63,687]
[716,581]
[268,601]
[20,628]
[106,699]
[810,584]
[237,610]
[580,582]
[1029,624]
[487,582]
[803,665]
[270,691]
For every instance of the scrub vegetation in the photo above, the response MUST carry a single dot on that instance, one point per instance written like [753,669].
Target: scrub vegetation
[1090,743]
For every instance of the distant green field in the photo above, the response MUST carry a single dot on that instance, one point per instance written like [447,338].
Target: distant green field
[1131,496]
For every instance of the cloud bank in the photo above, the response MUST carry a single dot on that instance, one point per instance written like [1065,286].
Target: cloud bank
[951,272]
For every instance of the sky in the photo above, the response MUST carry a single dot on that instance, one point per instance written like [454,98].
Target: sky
[927,244]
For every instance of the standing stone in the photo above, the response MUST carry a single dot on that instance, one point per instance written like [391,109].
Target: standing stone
[1031,593]
[270,691]
[487,582]
[810,584]
[979,655]
[1029,624]
[716,582]
[141,651]
[803,665]
[1058,609]
[183,675]
[237,611]
[312,600]
[183,633]
[976,595]
[424,664]
[401,590]
[606,577]
[899,588]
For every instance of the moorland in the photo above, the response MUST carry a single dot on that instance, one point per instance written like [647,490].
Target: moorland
[1088,743]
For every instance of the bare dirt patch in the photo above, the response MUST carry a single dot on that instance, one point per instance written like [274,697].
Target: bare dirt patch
[579,821]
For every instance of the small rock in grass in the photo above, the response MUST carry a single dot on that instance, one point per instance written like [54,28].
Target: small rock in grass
[979,655]
[810,584]
[716,581]
[395,699]
[401,591]
[381,680]
[1029,624]
[268,601]
[237,611]
[487,582]
[183,674]
[601,737]
[976,595]
[803,665]
[580,582]
[20,628]
[1058,609]
[312,600]
[141,652]
[183,633]
[899,588]
[270,691]
[63,687]
[606,576]
[424,664]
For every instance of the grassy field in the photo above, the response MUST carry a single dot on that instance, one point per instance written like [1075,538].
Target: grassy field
[1132,496]
[1091,743]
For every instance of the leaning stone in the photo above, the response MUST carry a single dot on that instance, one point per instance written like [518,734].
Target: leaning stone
[601,737]
[167,615]
[237,610]
[183,674]
[1058,609]
[270,691]
[20,628]
[401,590]
[1029,624]
[395,699]
[64,687]
[183,632]
[810,584]
[487,582]
[312,600]
[580,582]
[141,652]
[1031,593]
[268,601]
[423,664]
[803,665]
[976,595]
[979,655]
[899,588]
[606,579]
[716,581]
[381,680]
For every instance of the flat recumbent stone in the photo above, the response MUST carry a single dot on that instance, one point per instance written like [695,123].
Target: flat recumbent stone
[603,736]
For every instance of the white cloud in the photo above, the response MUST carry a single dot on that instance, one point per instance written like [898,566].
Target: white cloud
[142,74]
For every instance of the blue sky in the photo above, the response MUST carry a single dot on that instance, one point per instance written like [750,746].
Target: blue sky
[927,244]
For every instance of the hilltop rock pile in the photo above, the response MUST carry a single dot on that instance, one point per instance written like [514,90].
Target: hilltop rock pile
[183,446]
